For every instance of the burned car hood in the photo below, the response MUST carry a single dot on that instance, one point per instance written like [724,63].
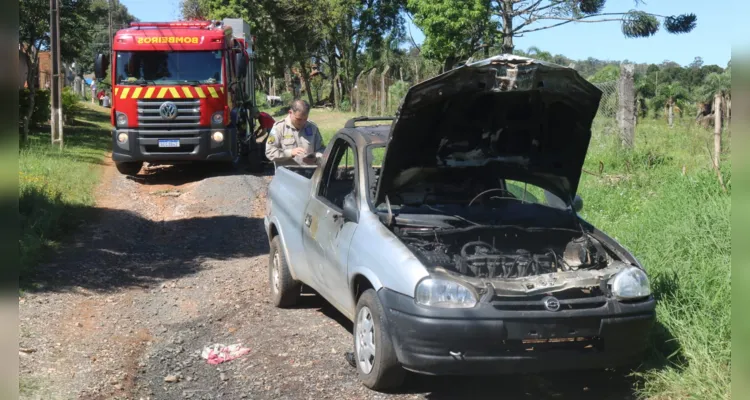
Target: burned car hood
[506,115]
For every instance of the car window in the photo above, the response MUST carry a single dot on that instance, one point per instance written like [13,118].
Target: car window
[533,194]
[339,176]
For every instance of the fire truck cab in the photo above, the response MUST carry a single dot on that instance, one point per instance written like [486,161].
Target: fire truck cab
[182,92]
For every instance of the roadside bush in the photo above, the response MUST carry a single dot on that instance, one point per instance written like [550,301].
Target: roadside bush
[260,99]
[286,98]
[41,114]
[345,105]
[71,106]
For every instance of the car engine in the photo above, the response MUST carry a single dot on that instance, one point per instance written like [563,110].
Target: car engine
[507,253]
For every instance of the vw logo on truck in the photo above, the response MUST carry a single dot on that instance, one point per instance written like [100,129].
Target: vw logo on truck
[168,110]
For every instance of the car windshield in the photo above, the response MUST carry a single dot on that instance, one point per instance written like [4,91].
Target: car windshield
[168,67]
[453,192]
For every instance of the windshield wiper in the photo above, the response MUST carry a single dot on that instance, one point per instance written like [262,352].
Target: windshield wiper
[191,82]
[139,81]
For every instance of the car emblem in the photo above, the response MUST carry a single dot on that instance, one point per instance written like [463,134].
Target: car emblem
[168,110]
[551,303]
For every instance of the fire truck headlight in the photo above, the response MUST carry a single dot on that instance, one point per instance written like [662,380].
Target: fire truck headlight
[218,118]
[122,119]
[218,137]
[122,137]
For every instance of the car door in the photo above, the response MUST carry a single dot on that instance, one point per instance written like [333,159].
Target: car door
[326,235]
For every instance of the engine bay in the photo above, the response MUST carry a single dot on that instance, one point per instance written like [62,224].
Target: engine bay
[506,253]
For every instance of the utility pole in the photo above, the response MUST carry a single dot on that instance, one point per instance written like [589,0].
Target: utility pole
[109,11]
[57,128]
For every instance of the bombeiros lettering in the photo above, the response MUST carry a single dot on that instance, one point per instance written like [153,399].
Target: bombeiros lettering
[168,40]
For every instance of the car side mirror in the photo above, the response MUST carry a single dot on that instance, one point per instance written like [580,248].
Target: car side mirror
[101,63]
[577,203]
[351,211]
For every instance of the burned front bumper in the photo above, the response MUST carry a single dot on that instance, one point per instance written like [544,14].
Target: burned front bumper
[173,145]
[485,340]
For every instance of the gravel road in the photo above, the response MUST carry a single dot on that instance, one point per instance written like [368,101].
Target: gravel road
[176,260]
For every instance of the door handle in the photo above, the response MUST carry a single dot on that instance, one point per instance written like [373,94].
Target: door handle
[308,220]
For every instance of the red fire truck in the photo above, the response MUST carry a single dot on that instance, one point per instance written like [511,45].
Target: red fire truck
[182,92]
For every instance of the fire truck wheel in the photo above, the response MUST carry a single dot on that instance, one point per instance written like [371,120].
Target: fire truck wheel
[129,168]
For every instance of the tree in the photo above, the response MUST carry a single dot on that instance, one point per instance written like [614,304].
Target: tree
[76,20]
[456,29]
[99,43]
[192,10]
[718,84]
[671,95]
[333,33]
[609,73]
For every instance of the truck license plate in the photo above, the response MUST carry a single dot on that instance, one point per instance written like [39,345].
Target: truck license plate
[169,143]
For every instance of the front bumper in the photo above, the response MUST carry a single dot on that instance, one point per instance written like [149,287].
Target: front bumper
[484,340]
[195,145]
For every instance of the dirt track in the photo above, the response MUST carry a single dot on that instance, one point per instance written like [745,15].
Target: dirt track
[177,260]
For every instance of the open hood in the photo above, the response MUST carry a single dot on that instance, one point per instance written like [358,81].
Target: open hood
[507,115]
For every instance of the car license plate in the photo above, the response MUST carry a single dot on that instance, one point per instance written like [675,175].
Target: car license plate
[169,143]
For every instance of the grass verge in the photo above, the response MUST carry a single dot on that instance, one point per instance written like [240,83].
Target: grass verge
[52,182]
[663,201]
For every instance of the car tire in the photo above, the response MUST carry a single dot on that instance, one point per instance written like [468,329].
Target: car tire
[129,168]
[385,372]
[284,289]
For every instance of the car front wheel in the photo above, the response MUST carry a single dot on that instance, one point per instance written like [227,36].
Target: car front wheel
[376,360]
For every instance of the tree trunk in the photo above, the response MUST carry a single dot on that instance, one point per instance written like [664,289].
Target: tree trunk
[336,94]
[449,63]
[31,81]
[306,78]
[288,79]
[717,129]
[670,113]
[508,46]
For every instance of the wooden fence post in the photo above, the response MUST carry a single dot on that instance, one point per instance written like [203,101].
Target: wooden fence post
[370,91]
[626,105]
[357,93]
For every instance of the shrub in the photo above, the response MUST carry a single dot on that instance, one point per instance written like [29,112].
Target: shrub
[41,114]
[286,98]
[71,106]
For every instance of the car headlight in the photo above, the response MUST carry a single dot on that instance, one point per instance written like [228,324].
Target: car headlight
[631,283]
[218,137]
[444,293]
[122,119]
[122,137]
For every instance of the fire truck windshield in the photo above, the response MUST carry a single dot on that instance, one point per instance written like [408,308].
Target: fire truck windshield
[168,67]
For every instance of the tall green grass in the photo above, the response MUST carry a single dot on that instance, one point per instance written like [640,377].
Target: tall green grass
[54,185]
[677,225]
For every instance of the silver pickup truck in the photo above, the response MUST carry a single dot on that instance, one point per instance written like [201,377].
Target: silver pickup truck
[450,236]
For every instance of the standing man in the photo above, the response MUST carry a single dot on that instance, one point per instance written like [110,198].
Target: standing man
[294,140]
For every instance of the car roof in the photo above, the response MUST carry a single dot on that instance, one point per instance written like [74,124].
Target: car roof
[369,134]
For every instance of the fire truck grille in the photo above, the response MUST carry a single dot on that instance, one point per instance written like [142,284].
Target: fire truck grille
[188,115]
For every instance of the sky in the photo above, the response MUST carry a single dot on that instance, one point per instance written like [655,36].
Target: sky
[711,39]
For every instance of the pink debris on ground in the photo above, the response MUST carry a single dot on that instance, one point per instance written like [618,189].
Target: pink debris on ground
[219,353]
